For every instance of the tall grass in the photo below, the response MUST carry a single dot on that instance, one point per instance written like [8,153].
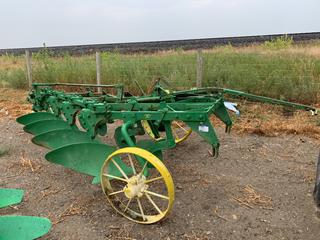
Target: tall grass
[276,69]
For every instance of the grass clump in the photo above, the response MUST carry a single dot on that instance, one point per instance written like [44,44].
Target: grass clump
[282,42]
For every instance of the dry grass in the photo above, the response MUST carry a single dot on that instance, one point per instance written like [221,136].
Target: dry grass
[312,49]
[216,213]
[123,232]
[250,197]
[28,165]
[74,208]
[11,63]
[195,236]
[48,192]
[268,120]
[13,102]
[25,164]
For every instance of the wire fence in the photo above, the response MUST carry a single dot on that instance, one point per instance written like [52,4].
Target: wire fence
[294,78]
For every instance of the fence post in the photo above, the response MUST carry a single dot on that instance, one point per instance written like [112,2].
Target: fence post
[98,68]
[29,68]
[199,68]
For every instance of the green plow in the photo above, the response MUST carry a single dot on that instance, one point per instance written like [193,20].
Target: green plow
[23,227]
[86,158]
[10,196]
[20,227]
[44,126]
[35,117]
[72,125]
[62,137]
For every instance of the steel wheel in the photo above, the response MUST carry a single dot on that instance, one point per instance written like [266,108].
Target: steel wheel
[180,132]
[146,196]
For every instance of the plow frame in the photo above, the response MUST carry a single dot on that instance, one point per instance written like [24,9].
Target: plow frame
[70,123]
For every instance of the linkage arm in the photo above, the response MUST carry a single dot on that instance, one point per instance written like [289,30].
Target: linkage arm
[269,100]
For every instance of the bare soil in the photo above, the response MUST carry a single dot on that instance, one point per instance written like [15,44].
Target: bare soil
[260,187]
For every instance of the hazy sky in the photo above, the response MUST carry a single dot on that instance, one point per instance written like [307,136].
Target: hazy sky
[27,23]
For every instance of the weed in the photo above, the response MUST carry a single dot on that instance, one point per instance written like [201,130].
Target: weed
[279,43]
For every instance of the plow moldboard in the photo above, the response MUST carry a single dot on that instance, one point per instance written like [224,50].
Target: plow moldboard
[35,117]
[39,127]
[23,227]
[62,137]
[86,158]
[10,196]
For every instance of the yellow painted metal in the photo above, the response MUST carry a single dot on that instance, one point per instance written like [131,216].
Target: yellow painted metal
[136,186]
[187,132]
[174,125]
[148,130]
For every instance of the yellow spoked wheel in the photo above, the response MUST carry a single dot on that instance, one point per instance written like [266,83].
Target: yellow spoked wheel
[179,131]
[140,197]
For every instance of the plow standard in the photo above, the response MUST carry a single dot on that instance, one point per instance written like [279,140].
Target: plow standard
[132,174]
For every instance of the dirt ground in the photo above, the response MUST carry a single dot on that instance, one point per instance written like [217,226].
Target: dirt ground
[260,187]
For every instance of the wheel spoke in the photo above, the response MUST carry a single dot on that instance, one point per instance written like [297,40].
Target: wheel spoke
[175,134]
[153,179]
[144,166]
[115,177]
[131,163]
[141,209]
[119,168]
[127,206]
[157,194]
[181,127]
[154,204]
[117,192]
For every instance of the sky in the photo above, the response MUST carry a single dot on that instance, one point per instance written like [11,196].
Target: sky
[30,23]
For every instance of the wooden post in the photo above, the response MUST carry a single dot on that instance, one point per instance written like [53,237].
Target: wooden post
[199,69]
[98,67]
[29,68]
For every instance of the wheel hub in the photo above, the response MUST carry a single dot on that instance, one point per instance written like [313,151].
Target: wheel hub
[135,186]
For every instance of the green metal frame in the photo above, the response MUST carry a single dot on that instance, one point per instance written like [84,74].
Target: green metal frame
[94,111]
[70,118]
[70,123]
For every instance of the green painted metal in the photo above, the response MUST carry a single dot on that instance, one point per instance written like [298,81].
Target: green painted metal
[39,127]
[82,151]
[86,158]
[151,146]
[23,227]
[269,100]
[10,196]
[120,139]
[35,117]
[95,111]
[62,137]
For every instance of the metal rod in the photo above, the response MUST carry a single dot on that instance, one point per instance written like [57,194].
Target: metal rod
[268,100]
[76,85]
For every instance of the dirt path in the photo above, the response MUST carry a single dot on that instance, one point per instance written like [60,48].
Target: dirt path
[258,188]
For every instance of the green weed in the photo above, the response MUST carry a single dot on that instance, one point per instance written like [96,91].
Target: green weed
[282,42]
